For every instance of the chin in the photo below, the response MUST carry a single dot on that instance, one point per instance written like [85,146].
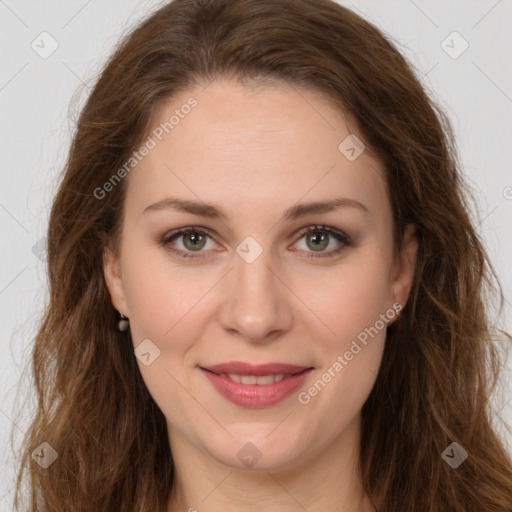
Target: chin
[260,448]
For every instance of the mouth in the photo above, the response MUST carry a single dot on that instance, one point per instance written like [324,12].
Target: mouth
[261,370]
[263,380]
[260,380]
[253,386]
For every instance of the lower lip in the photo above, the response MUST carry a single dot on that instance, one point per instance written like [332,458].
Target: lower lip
[255,395]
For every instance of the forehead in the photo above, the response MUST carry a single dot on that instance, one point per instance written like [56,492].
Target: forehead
[253,146]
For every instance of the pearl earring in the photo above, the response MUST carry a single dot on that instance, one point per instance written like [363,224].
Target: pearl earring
[122,325]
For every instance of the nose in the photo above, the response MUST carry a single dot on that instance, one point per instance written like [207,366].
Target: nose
[257,304]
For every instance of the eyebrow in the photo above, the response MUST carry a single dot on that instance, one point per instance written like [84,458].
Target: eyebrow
[215,212]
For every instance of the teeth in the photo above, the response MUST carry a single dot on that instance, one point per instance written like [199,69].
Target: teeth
[249,379]
[262,380]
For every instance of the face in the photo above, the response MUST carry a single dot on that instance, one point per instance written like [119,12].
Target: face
[259,278]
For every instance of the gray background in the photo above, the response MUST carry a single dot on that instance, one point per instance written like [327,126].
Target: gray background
[35,97]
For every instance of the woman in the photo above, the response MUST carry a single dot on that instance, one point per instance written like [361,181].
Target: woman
[266,290]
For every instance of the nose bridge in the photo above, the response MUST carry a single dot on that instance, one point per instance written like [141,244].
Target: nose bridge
[256,303]
[252,269]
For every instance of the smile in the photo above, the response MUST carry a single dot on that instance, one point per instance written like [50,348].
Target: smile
[263,380]
[256,386]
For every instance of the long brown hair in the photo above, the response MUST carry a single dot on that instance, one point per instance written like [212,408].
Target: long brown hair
[439,366]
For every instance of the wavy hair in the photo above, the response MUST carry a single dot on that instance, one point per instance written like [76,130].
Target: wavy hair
[439,366]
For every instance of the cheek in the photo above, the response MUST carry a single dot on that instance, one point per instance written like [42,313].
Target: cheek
[162,297]
[166,308]
[350,303]
[346,299]
[350,356]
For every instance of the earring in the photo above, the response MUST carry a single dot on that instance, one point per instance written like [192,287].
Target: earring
[122,325]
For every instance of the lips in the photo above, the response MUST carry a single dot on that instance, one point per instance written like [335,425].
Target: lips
[258,386]
[241,368]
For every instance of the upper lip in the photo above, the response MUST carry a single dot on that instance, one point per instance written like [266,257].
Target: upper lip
[241,368]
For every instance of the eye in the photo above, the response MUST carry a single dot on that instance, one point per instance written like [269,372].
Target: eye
[319,243]
[195,239]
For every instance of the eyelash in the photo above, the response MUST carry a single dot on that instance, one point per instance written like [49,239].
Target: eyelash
[338,235]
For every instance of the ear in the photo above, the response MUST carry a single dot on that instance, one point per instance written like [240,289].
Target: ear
[113,280]
[403,272]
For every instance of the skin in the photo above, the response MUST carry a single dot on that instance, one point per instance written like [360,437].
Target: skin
[255,152]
